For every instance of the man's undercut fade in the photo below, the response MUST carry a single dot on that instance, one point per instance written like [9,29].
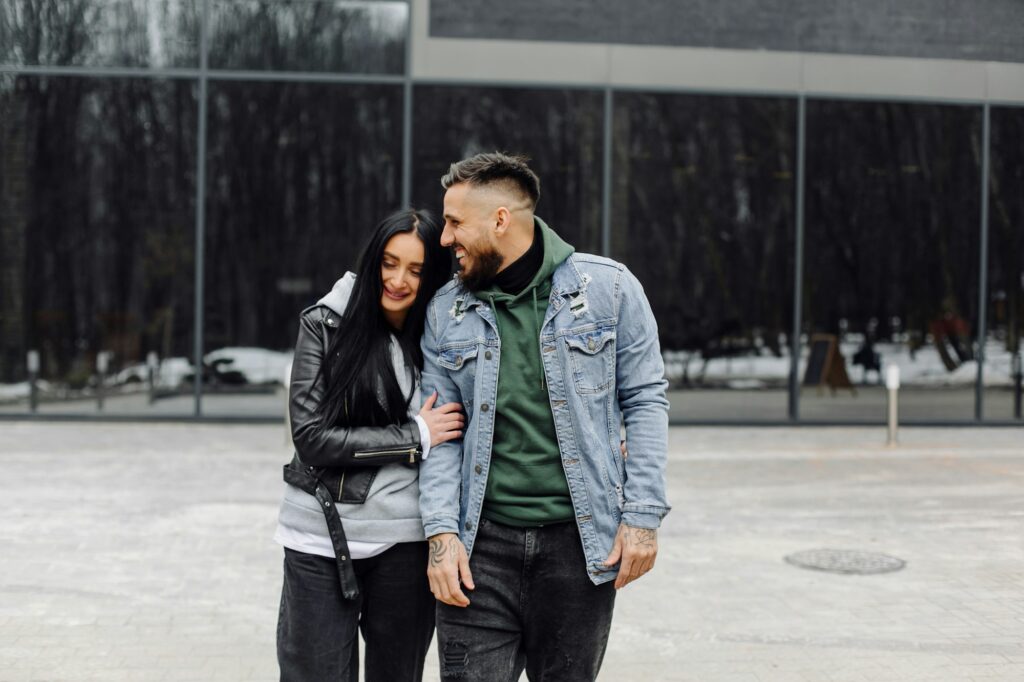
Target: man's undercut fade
[495,169]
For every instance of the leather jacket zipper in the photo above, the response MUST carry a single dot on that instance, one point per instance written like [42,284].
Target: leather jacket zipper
[364,454]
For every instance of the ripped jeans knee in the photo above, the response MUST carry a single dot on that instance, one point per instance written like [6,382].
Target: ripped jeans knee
[454,660]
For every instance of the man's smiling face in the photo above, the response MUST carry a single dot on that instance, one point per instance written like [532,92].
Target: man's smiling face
[468,231]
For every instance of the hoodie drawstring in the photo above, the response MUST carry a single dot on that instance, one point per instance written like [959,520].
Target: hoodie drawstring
[536,320]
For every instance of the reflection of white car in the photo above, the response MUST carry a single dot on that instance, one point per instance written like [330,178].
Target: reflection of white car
[257,365]
[172,372]
[21,391]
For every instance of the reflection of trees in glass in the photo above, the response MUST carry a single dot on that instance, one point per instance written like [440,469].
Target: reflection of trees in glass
[703,214]
[14,180]
[108,217]
[1006,227]
[317,35]
[298,174]
[141,33]
[559,130]
[892,216]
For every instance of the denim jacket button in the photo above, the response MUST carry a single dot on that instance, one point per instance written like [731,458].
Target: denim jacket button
[487,355]
[478,469]
[469,525]
[485,407]
[591,344]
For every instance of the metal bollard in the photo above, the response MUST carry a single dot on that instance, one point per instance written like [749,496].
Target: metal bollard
[32,363]
[892,384]
[1017,376]
[153,366]
[102,364]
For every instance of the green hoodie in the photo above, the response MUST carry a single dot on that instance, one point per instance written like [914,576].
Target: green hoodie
[526,484]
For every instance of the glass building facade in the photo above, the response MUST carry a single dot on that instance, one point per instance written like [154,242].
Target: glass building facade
[180,178]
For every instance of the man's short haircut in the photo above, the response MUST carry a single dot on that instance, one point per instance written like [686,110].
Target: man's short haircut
[498,170]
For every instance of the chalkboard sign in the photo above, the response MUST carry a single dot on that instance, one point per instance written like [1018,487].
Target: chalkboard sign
[826,365]
[822,346]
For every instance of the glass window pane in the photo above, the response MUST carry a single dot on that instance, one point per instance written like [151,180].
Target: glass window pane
[312,35]
[116,33]
[560,130]
[703,215]
[892,257]
[299,174]
[1003,381]
[97,221]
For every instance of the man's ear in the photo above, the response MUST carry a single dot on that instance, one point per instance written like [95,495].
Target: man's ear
[502,220]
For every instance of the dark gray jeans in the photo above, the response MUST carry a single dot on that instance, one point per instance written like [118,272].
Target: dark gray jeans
[534,607]
[317,628]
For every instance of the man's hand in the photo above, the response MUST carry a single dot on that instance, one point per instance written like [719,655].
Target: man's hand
[447,565]
[637,548]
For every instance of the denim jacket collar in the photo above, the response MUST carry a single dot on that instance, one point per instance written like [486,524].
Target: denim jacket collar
[566,281]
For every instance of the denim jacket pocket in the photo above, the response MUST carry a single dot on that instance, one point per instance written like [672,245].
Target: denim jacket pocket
[455,357]
[592,359]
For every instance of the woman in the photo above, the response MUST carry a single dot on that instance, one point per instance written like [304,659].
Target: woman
[355,555]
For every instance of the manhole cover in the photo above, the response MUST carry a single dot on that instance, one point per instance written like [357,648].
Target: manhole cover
[846,561]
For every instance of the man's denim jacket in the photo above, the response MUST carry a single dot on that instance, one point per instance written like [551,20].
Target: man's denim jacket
[602,363]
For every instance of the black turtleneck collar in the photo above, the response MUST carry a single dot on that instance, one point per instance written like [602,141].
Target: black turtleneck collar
[518,275]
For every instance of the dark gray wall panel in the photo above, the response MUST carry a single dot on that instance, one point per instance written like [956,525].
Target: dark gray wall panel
[980,29]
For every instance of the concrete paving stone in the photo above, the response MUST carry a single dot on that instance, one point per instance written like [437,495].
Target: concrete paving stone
[173,573]
[132,675]
[39,676]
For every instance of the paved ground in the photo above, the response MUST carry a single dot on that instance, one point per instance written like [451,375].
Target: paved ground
[143,552]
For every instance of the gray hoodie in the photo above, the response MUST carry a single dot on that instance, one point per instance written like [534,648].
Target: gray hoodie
[391,511]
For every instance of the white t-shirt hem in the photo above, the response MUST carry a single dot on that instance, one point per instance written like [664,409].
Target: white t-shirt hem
[319,545]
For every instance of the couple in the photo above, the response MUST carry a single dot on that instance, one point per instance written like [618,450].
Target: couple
[527,366]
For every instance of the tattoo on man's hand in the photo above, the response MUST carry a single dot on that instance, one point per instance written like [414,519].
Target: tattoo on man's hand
[436,553]
[646,537]
[453,550]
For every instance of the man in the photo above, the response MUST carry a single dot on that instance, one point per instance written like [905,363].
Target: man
[534,514]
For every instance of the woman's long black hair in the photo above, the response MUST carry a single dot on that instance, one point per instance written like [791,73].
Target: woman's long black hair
[362,389]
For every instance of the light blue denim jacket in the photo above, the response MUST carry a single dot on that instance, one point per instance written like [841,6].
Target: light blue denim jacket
[603,366]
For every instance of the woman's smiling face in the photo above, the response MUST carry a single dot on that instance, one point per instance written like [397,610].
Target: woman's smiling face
[400,269]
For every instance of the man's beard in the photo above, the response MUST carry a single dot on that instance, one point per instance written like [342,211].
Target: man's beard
[486,264]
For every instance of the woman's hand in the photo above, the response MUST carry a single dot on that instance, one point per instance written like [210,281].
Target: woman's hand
[445,422]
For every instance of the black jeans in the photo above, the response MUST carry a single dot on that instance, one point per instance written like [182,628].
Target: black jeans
[317,627]
[534,607]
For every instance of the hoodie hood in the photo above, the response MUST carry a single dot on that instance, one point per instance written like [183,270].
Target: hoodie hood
[337,298]
[556,250]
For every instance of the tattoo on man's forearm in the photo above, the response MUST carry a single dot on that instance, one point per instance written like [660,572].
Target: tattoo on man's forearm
[436,553]
[647,537]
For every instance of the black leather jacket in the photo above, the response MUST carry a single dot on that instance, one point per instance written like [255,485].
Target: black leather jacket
[345,459]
